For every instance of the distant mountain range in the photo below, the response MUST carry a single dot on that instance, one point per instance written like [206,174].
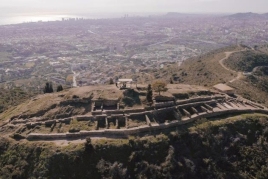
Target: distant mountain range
[182,15]
[248,15]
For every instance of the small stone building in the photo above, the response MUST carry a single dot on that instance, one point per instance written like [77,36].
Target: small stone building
[224,88]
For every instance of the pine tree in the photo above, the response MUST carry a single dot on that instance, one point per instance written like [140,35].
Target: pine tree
[171,81]
[48,88]
[149,95]
[59,88]
[111,82]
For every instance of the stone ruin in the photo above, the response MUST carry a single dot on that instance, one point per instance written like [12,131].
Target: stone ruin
[111,121]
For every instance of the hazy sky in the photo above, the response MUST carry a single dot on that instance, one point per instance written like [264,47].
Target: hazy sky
[122,6]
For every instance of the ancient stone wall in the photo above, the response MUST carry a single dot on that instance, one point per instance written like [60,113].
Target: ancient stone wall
[134,110]
[136,130]
[114,112]
[199,99]
[71,101]
[105,102]
[84,118]
[163,98]
[194,104]
[164,104]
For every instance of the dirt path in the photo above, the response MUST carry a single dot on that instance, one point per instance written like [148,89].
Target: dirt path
[227,55]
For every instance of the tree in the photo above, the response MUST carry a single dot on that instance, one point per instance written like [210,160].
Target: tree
[59,88]
[88,145]
[149,95]
[159,86]
[48,88]
[111,82]
[171,81]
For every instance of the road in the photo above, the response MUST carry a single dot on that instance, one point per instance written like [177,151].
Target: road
[74,78]
[227,55]
[75,75]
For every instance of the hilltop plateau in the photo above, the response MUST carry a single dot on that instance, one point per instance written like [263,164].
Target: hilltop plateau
[187,130]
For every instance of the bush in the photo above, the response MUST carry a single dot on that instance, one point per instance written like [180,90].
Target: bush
[88,145]
[73,130]
[59,88]
[17,136]
[128,101]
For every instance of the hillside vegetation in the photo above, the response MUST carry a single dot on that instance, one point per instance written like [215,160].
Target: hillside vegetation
[59,104]
[225,148]
[247,60]
[12,97]
[254,86]
[205,70]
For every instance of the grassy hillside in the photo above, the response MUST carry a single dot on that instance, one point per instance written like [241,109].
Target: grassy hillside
[51,105]
[225,148]
[12,97]
[206,69]
[247,60]
[254,86]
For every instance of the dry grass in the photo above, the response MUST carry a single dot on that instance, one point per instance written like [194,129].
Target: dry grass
[246,60]
[47,105]
[206,69]
[30,64]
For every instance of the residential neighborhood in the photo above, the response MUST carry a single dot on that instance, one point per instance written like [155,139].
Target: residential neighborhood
[80,52]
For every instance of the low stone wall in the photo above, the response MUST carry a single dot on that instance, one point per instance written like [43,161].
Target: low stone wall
[84,118]
[37,136]
[199,99]
[19,121]
[114,112]
[164,104]
[96,112]
[149,108]
[164,98]
[100,117]
[67,102]
[194,104]
[31,125]
[141,129]
[148,120]
[117,116]
[134,110]
[66,120]
[110,102]
[161,115]
[50,122]
[136,115]
[105,102]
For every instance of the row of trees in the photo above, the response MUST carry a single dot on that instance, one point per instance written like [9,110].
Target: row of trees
[49,88]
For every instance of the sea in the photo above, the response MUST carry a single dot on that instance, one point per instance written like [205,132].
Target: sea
[17,18]
[7,19]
